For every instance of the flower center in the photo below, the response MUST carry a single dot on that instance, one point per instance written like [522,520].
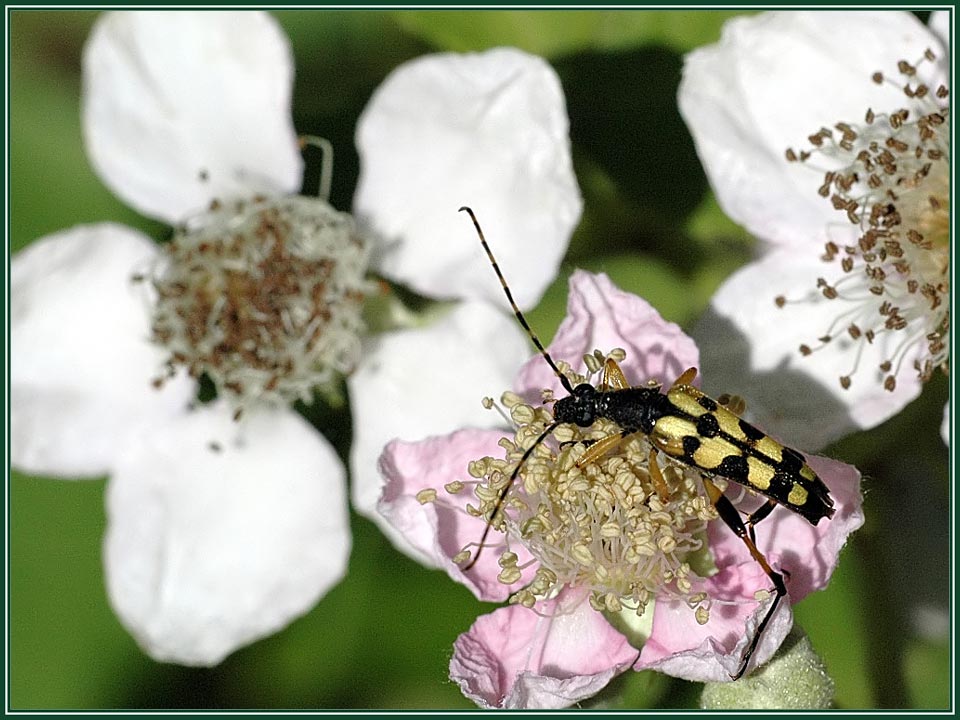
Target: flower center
[607,527]
[263,296]
[891,181]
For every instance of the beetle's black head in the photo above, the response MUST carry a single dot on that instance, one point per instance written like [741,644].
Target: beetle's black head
[579,407]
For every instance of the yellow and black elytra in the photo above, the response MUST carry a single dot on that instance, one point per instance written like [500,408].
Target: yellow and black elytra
[695,429]
[692,428]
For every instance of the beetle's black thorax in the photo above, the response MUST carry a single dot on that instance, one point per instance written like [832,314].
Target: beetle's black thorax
[634,408]
[631,408]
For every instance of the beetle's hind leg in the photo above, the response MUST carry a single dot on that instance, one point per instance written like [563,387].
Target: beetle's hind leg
[731,517]
[757,515]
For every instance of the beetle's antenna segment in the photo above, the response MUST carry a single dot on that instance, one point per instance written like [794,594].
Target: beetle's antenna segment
[506,488]
[516,310]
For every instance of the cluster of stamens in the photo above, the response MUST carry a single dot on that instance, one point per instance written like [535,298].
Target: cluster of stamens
[607,527]
[264,297]
[891,181]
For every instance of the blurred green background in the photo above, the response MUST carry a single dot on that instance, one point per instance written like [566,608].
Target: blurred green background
[382,638]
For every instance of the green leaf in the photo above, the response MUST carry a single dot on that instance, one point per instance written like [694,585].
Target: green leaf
[652,279]
[631,689]
[708,224]
[382,637]
[546,317]
[794,679]
[65,643]
[52,185]
[624,119]
[644,275]
[834,622]
[557,32]
[927,670]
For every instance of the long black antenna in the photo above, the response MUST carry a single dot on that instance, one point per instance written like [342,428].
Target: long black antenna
[506,489]
[516,310]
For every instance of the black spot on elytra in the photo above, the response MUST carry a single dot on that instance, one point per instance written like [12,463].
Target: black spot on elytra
[792,461]
[706,403]
[690,445]
[707,426]
[734,467]
[780,486]
[753,434]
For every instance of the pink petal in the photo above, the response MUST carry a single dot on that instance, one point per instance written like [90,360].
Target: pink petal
[180,108]
[488,130]
[221,532]
[681,647]
[808,553]
[515,658]
[81,361]
[439,530]
[602,316]
[713,652]
[424,381]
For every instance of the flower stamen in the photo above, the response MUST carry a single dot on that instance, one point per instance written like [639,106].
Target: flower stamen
[605,528]
[890,177]
[264,296]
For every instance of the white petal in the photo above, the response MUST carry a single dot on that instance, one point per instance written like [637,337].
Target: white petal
[755,353]
[81,363]
[488,130]
[183,107]
[945,425]
[772,80]
[220,533]
[939,23]
[413,384]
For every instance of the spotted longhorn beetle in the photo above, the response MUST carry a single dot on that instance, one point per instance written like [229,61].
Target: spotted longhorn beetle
[693,428]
